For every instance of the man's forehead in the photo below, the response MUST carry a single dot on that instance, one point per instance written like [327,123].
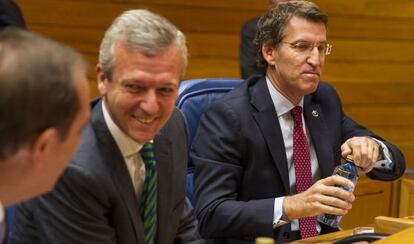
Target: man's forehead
[299,24]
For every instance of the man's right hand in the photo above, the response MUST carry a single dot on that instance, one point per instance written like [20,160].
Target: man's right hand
[322,197]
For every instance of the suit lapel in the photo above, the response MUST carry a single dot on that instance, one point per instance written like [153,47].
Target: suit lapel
[266,119]
[117,167]
[163,157]
[317,128]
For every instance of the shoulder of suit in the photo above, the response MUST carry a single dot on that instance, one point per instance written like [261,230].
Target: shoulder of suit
[176,123]
[325,87]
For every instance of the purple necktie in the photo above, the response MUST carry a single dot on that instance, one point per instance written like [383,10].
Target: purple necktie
[303,171]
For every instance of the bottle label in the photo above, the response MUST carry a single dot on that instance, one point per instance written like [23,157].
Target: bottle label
[347,170]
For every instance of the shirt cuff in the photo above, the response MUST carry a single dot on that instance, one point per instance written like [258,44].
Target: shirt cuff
[386,162]
[278,213]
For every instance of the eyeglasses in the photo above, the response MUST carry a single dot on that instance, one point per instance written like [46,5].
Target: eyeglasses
[306,48]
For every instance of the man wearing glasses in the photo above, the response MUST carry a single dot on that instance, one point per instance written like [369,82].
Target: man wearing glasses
[265,153]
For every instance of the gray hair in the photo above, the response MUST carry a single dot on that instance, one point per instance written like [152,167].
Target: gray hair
[272,24]
[142,31]
[37,89]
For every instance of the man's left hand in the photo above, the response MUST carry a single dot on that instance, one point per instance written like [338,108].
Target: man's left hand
[364,150]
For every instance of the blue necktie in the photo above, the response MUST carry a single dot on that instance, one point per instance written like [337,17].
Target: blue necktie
[149,199]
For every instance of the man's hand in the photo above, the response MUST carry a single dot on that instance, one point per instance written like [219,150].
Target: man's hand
[364,150]
[321,197]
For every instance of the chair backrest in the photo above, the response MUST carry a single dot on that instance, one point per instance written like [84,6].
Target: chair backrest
[194,98]
[9,220]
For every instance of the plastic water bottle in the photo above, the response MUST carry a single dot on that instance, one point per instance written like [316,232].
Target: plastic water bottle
[349,171]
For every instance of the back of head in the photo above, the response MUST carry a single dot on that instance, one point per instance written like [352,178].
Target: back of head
[272,24]
[273,3]
[142,31]
[37,90]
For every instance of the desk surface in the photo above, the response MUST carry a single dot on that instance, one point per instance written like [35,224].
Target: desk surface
[383,224]
[402,237]
[327,238]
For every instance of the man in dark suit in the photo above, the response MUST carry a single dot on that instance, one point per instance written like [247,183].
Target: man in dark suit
[10,15]
[265,152]
[111,192]
[248,54]
[44,98]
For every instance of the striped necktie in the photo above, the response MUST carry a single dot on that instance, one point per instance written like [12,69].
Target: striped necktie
[149,199]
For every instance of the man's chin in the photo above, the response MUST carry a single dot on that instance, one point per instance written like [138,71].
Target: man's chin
[311,88]
[143,138]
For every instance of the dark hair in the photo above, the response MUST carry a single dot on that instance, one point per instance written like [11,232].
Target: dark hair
[272,24]
[37,90]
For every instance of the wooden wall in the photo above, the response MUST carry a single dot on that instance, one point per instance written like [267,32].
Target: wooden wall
[372,64]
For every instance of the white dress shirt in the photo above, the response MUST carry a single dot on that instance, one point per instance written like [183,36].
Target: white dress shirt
[283,107]
[130,152]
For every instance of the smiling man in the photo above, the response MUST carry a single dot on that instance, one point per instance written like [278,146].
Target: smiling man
[126,183]
[265,152]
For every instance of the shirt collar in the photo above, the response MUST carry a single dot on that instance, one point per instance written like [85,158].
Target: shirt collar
[126,144]
[281,103]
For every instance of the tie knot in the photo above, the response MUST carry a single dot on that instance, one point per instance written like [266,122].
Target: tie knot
[147,153]
[148,146]
[297,113]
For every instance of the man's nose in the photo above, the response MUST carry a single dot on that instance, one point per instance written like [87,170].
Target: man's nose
[315,57]
[149,102]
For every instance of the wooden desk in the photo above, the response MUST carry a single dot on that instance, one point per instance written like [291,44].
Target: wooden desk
[403,237]
[402,230]
[327,238]
[392,225]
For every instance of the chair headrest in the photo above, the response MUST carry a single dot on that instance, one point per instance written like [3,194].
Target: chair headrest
[196,95]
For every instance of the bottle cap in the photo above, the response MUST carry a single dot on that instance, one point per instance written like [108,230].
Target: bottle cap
[349,158]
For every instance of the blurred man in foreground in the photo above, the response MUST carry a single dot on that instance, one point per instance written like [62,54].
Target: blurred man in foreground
[43,108]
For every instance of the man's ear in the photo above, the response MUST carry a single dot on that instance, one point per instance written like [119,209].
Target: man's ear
[102,80]
[269,53]
[45,145]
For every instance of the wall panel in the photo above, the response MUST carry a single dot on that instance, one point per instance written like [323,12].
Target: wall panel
[371,65]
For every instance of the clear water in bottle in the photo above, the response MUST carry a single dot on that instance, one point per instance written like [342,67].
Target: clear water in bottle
[349,171]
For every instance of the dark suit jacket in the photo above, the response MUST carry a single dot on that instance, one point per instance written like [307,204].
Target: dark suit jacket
[94,200]
[248,51]
[10,15]
[240,160]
